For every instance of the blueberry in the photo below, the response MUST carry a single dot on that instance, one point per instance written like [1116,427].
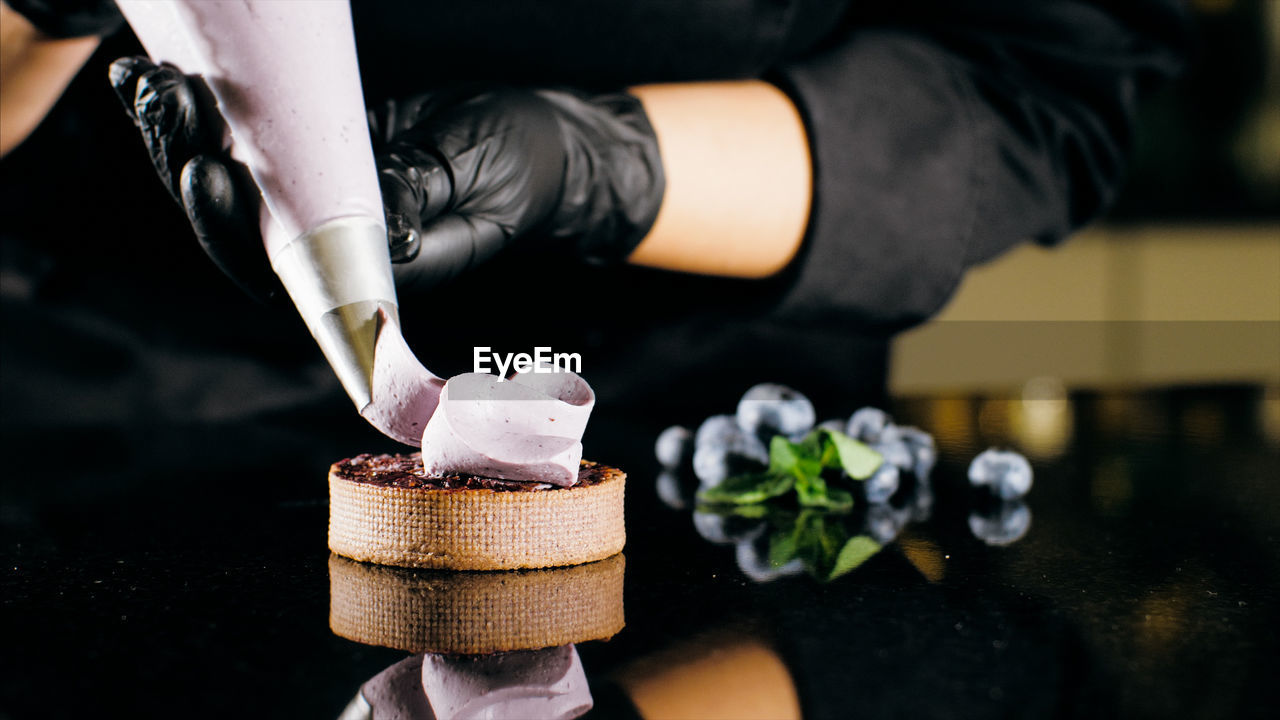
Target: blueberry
[926,459]
[890,433]
[915,437]
[671,491]
[834,425]
[713,463]
[716,430]
[727,529]
[896,454]
[673,447]
[882,485]
[751,448]
[867,424]
[770,409]
[884,522]
[753,560]
[1005,526]
[1004,472]
[923,450]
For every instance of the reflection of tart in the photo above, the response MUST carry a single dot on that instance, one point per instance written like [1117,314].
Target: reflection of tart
[383,509]
[470,613]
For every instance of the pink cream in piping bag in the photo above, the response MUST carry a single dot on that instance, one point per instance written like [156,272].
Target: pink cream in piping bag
[287,82]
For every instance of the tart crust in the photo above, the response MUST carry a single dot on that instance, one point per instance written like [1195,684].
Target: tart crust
[451,528]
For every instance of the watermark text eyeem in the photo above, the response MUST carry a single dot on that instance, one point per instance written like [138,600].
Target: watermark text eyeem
[543,360]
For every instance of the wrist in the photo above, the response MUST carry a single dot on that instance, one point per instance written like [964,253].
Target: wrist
[739,179]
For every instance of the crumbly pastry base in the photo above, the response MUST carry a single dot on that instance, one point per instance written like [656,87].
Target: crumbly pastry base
[472,613]
[476,529]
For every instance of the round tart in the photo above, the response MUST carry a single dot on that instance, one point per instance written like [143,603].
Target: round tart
[476,612]
[384,509]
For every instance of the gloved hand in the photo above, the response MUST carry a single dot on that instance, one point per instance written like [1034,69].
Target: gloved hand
[464,174]
[185,137]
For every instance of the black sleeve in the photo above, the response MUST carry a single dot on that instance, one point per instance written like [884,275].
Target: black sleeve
[70,18]
[945,131]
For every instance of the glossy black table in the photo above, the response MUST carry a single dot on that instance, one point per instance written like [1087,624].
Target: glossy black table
[185,573]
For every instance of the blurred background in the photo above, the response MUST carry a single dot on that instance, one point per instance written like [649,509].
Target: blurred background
[1153,543]
[1179,284]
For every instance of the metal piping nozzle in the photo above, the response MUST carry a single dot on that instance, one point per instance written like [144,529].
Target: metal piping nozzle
[339,276]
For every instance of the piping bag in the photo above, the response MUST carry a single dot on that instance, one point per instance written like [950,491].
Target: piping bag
[287,82]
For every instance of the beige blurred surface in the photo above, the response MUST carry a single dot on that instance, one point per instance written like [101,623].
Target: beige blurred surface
[1113,307]
[714,678]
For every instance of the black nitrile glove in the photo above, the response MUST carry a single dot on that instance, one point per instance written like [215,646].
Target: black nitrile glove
[70,18]
[463,174]
[184,135]
[473,172]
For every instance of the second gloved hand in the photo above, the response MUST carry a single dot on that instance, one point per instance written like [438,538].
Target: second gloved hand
[464,174]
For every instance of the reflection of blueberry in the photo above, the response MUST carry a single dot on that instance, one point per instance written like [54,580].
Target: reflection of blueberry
[671,491]
[727,529]
[1003,526]
[716,430]
[753,560]
[1004,472]
[714,462]
[926,459]
[884,522]
[923,450]
[770,409]
[921,500]
[673,446]
[866,424]
[882,485]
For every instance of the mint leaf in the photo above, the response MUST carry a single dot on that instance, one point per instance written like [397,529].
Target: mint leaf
[855,552]
[816,493]
[834,499]
[782,455]
[747,489]
[799,466]
[811,490]
[856,459]
[793,459]
[814,445]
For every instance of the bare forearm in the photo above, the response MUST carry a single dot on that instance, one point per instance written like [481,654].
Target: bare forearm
[34,70]
[739,178]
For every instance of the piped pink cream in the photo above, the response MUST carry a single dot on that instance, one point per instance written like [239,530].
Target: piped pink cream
[405,393]
[528,428]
